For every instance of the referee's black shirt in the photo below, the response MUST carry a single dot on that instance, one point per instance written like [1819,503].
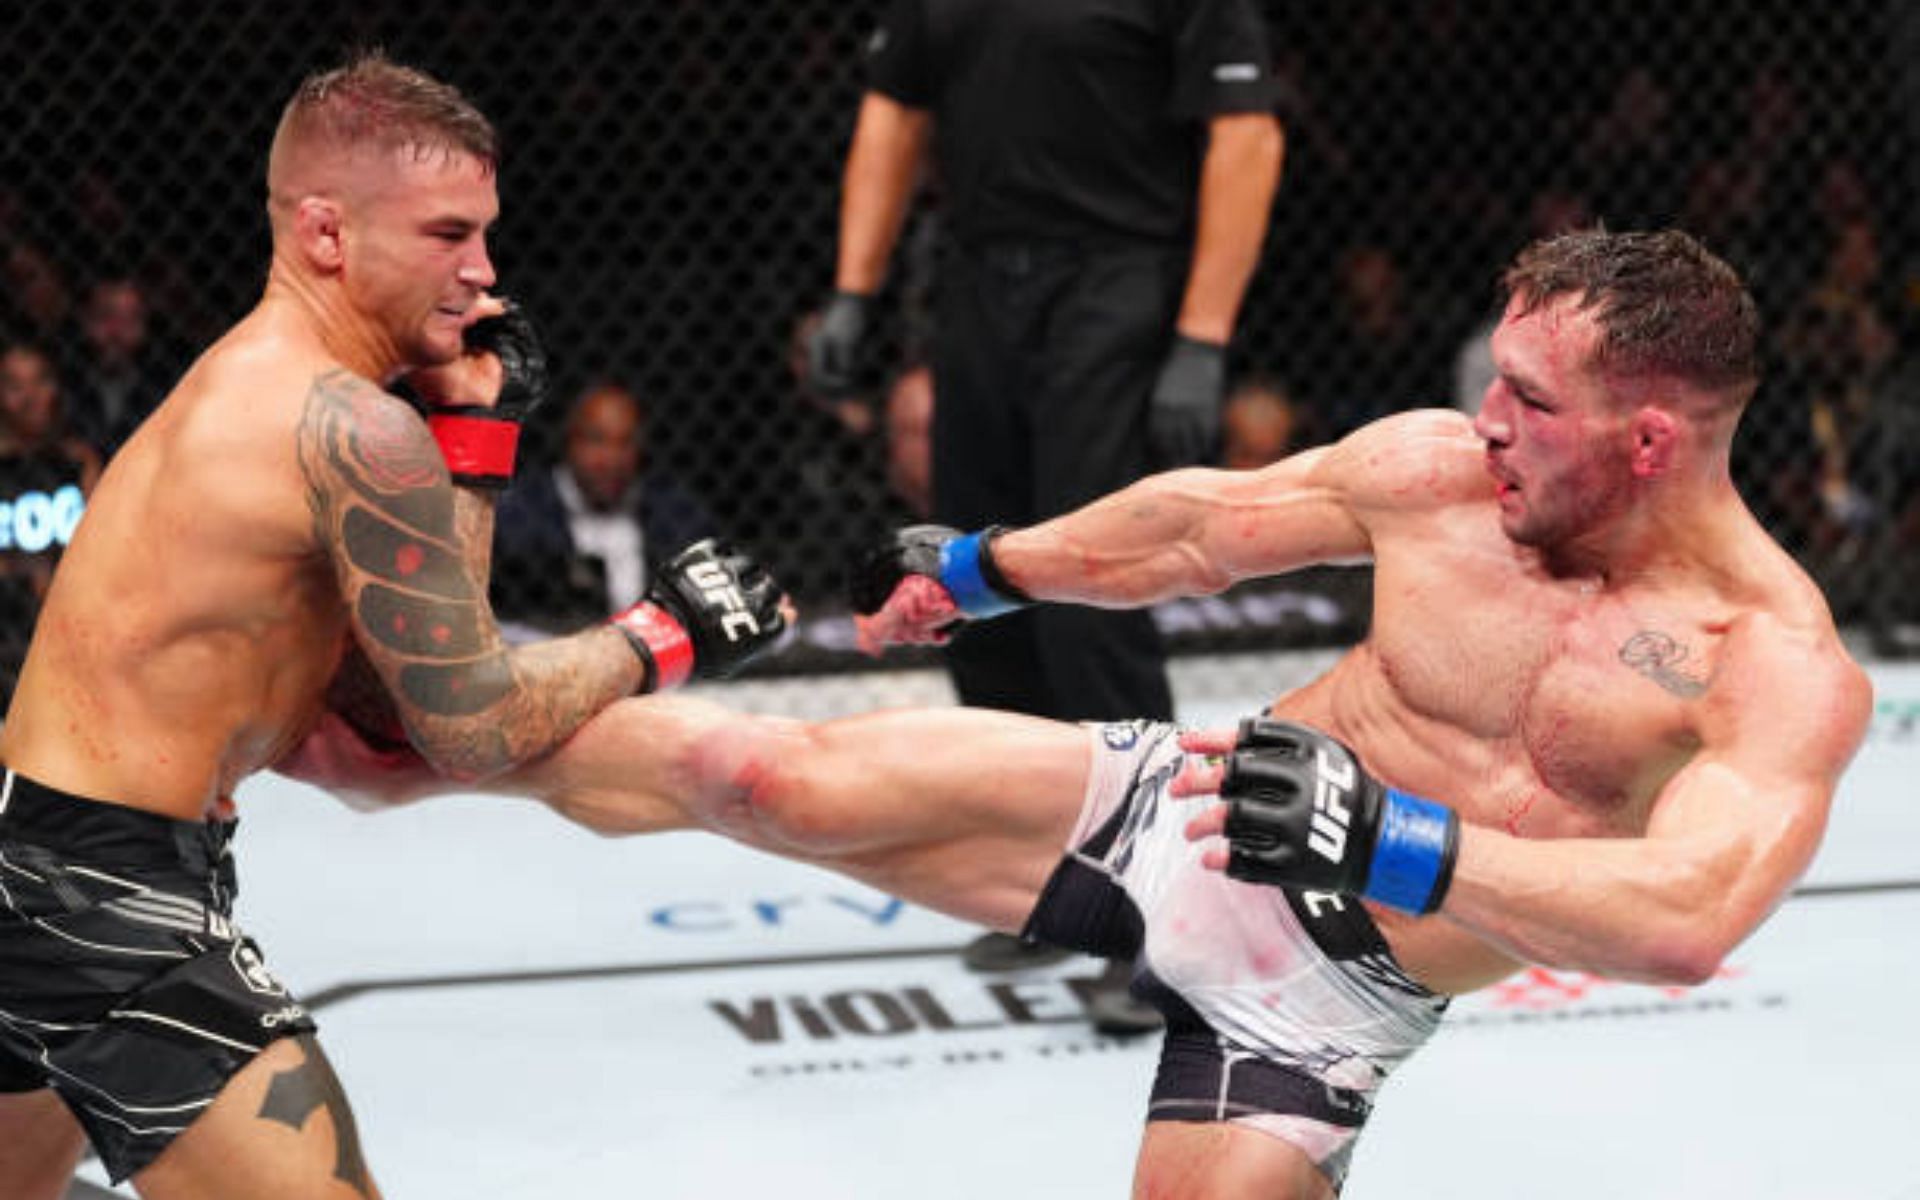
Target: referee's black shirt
[1075,120]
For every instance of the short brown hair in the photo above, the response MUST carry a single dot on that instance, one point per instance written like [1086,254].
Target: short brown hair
[373,101]
[1664,303]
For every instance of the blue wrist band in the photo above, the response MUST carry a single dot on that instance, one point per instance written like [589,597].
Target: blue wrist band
[1413,853]
[962,576]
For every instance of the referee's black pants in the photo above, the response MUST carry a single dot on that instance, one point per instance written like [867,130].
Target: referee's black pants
[1044,357]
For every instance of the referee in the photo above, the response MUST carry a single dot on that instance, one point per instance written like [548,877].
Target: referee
[1106,169]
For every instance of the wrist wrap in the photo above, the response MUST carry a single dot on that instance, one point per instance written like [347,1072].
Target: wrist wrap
[968,573]
[1413,853]
[662,643]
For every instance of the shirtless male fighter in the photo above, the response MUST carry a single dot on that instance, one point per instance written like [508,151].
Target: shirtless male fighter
[279,508]
[1597,724]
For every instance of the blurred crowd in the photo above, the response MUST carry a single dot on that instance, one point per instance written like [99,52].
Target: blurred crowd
[683,410]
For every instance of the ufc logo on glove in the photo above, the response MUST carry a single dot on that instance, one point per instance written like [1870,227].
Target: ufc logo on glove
[1332,786]
[716,587]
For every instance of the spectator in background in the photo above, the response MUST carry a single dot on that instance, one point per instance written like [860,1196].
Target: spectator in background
[1838,345]
[45,475]
[1750,201]
[33,419]
[1384,348]
[1629,159]
[1552,212]
[34,291]
[101,227]
[571,542]
[117,373]
[1893,604]
[1262,425]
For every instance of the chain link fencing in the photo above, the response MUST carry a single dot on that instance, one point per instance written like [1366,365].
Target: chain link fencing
[670,190]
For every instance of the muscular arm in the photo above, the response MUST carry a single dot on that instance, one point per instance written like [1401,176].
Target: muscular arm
[889,141]
[1729,835]
[1194,532]
[1238,179]
[412,569]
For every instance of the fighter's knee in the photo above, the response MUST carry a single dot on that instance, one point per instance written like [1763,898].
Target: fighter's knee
[771,780]
[788,810]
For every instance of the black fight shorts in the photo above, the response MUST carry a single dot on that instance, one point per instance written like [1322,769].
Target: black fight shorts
[123,984]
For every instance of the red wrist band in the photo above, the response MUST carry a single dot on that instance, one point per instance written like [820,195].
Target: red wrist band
[476,447]
[665,640]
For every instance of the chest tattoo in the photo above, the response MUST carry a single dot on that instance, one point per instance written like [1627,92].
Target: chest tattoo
[1659,658]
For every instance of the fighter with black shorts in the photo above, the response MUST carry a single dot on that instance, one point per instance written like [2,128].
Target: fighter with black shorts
[129,991]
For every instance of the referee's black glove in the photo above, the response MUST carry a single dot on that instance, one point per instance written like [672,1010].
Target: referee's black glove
[833,349]
[1183,418]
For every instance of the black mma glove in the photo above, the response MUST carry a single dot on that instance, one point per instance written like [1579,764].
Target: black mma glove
[480,444]
[1302,812]
[834,347]
[960,563]
[708,612]
[1183,415]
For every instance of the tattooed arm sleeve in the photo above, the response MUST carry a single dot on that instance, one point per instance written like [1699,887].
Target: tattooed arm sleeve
[400,540]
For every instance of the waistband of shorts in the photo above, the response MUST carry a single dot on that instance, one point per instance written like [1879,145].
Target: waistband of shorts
[32,812]
[1339,925]
[1345,932]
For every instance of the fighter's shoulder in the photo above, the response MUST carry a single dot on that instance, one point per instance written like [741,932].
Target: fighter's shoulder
[352,433]
[1417,459]
[331,390]
[249,378]
[1787,660]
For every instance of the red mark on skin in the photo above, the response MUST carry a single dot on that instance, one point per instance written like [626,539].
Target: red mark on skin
[1518,810]
[409,558]
[1548,749]
[399,624]
[725,772]
[441,634]
[749,777]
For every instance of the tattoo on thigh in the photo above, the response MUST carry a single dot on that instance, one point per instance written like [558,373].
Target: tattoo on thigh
[1658,657]
[293,1096]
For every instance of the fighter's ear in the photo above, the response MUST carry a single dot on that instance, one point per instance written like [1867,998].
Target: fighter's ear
[318,230]
[1655,433]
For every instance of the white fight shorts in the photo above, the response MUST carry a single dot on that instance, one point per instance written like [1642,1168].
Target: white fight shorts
[1285,1009]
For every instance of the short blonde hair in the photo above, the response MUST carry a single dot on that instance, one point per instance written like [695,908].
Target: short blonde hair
[373,102]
